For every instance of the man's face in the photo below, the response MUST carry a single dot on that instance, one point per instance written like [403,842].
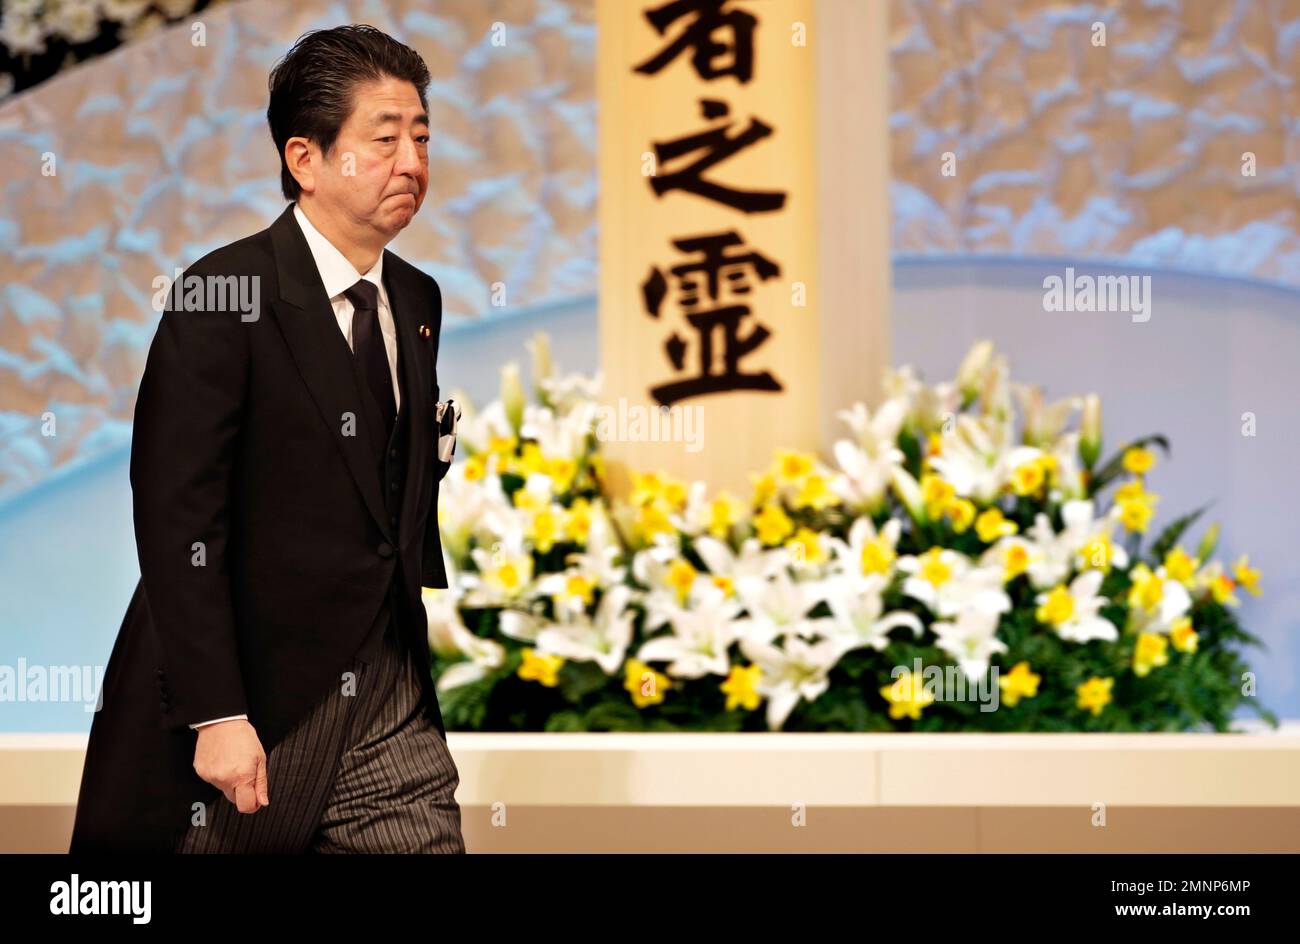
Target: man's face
[377,173]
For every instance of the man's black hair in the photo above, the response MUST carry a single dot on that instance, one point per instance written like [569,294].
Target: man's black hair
[312,86]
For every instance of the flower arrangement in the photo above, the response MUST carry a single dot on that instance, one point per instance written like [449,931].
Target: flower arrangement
[39,38]
[949,550]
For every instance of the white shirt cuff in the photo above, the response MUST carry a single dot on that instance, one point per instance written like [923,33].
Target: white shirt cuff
[215,720]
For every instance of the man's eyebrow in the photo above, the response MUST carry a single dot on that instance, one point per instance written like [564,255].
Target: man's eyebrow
[384,117]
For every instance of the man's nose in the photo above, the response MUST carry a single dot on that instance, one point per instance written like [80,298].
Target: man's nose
[408,159]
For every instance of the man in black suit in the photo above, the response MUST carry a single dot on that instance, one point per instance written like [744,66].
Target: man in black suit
[285,479]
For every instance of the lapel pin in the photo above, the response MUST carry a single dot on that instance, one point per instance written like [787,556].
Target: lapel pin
[424,331]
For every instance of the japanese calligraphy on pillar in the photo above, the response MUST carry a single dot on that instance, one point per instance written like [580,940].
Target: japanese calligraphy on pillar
[706,244]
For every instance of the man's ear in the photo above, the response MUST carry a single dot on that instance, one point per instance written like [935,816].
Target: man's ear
[298,158]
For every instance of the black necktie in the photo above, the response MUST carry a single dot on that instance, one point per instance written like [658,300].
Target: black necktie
[368,348]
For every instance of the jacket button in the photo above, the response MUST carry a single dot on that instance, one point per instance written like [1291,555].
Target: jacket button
[384,550]
[393,453]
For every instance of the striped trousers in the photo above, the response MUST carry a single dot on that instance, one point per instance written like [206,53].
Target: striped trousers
[364,771]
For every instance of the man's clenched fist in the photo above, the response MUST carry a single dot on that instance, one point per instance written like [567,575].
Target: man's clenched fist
[230,756]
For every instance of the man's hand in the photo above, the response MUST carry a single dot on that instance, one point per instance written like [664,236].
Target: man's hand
[229,755]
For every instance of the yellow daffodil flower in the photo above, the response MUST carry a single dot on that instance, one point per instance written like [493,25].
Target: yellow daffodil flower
[741,687]
[877,556]
[1183,637]
[538,667]
[933,568]
[936,493]
[1180,565]
[1246,575]
[577,522]
[645,685]
[1015,560]
[765,489]
[1028,478]
[1058,608]
[1097,553]
[806,546]
[1019,683]
[790,466]
[815,492]
[773,524]
[907,696]
[1136,513]
[961,512]
[681,577]
[474,468]
[991,525]
[1148,588]
[724,513]
[1151,651]
[1139,461]
[544,528]
[1094,694]
[652,520]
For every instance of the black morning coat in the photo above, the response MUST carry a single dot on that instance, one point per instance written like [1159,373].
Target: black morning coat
[268,546]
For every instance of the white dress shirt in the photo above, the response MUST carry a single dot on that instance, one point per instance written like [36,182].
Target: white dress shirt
[339,275]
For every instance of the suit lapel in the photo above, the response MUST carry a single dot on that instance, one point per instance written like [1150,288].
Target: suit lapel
[409,312]
[324,360]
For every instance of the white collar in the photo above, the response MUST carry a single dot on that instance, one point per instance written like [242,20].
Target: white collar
[336,271]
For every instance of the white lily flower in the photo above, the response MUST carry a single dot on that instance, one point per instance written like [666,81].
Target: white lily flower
[779,606]
[442,617]
[1069,473]
[945,581]
[560,436]
[483,656]
[927,407]
[520,625]
[572,390]
[601,555]
[1156,601]
[1052,554]
[797,671]
[754,563]
[603,640]
[868,552]
[478,430]
[1073,612]
[1043,422]
[995,398]
[973,371]
[570,592]
[672,581]
[700,638]
[449,637]
[467,508]
[858,613]
[971,639]
[867,464]
[1082,539]
[700,513]
[1089,537]
[505,572]
[975,459]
